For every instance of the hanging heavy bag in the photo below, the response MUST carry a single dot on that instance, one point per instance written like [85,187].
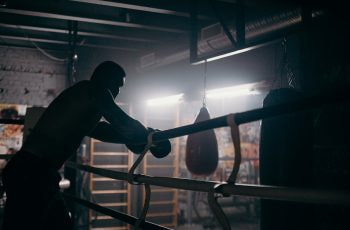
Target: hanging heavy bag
[202,149]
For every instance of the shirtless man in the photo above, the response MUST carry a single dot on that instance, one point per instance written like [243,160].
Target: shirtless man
[31,177]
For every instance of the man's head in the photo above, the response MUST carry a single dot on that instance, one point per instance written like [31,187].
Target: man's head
[108,75]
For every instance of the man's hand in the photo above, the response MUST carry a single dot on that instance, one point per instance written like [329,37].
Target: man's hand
[158,149]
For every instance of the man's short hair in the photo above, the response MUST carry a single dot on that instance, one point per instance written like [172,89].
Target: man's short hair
[106,71]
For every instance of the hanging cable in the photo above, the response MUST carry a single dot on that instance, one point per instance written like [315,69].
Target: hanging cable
[287,75]
[50,56]
[46,53]
[73,56]
[204,100]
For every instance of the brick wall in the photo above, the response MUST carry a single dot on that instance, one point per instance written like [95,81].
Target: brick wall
[29,77]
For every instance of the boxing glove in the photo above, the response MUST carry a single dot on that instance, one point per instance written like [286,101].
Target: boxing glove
[158,149]
[161,149]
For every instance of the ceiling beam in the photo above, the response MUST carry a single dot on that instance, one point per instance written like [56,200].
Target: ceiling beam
[59,42]
[92,30]
[51,41]
[141,6]
[134,7]
[88,20]
[80,33]
[109,47]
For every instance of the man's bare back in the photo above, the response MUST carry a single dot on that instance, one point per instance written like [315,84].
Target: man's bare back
[60,130]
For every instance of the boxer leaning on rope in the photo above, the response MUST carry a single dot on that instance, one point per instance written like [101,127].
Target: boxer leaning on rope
[31,178]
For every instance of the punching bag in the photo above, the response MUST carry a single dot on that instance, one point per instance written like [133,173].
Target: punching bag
[286,160]
[202,149]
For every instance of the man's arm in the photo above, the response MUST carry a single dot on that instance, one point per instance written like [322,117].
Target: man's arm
[127,129]
[124,129]
[106,133]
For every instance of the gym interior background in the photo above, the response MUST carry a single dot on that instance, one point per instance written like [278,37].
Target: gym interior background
[242,55]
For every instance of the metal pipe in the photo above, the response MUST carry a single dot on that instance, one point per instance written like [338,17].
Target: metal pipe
[194,31]
[33,39]
[223,24]
[306,195]
[80,33]
[88,20]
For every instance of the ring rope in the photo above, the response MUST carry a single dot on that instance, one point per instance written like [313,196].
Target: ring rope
[230,119]
[143,215]
[212,195]
[131,177]
[131,174]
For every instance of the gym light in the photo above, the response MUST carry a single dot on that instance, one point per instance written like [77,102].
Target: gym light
[233,91]
[235,52]
[174,99]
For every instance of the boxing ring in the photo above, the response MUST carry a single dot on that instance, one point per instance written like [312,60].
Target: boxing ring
[217,189]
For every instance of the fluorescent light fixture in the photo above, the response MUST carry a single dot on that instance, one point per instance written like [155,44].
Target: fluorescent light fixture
[174,99]
[236,52]
[233,91]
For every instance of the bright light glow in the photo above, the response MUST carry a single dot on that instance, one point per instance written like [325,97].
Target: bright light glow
[169,100]
[234,91]
[235,52]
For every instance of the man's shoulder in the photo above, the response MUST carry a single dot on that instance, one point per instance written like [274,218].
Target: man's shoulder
[80,86]
[79,89]
[84,83]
